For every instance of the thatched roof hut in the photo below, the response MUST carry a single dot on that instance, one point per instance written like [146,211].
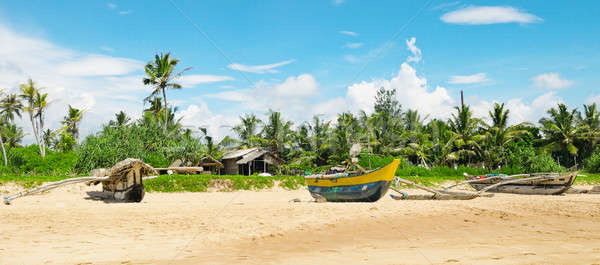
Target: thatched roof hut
[250,160]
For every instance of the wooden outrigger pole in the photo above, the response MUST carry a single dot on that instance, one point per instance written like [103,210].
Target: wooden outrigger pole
[437,194]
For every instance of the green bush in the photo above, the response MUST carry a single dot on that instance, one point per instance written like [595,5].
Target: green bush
[542,163]
[27,160]
[592,164]
[146,142]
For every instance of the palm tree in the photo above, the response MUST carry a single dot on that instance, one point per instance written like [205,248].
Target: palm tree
[591,120]
[159,75]
[10,106]
[277,133]
[12,135]
[49,137]
[346,132]
[466,127]
[442,141]
[121,120]
[561,131]
[247,131]
[319,135]
[499,135]
[40,105]
[29,92]
[73,117]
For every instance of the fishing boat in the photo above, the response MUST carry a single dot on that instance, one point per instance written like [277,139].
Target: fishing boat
[367,186]
[531,184]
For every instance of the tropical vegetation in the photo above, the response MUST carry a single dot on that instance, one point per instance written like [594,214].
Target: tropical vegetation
[564,138]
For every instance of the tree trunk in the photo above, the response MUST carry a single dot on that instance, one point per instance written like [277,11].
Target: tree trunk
[35,133]
[42,142]
[166,110]
[3,151]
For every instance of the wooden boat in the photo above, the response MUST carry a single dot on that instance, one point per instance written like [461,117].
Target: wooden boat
[369,186]
[531,184]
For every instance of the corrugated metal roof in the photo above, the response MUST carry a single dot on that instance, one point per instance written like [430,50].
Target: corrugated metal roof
[237,153]
[251,156]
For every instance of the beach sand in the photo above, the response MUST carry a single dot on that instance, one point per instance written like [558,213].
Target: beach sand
[65,226]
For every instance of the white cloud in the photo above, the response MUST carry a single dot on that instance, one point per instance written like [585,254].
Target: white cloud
[259,69]
[193,80]
[445,5]
[412,92]
[349,33]
[469,79]
[338,2]
[483,15]
[533,111]
[199,115]
[125,12]
[304,85]
[593,99]
[294,96]
[353,45]
[416,52]
[351,58]
[551,81]
[101,85]
[99,65]
[111,5]
[107,49]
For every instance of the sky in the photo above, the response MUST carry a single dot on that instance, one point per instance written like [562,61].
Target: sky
[302,58]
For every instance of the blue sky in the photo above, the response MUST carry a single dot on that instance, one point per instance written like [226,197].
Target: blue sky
[303,57]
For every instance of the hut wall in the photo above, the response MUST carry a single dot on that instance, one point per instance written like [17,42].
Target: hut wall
[231,168]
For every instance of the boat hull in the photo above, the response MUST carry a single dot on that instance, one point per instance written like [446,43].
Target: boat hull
[546,187]
[367,187]
[369,192]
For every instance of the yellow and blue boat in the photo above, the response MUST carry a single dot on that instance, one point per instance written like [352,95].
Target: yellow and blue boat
[353,187]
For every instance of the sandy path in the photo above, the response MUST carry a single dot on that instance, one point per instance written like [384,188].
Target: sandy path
[62,227]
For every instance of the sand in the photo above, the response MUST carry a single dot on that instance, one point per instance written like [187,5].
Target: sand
[264,227]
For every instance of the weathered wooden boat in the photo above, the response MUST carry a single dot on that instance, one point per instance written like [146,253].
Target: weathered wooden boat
[368,186]
[530,184]
[122,182]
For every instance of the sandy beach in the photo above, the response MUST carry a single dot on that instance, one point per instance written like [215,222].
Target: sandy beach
[65,226]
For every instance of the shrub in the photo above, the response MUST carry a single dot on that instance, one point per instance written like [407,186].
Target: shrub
[146,142]
[28,160]
[592,164]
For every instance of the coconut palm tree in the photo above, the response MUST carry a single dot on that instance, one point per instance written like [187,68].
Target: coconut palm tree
[590,119]
[466,127]
[319,136]
[277,133]
[72,120]
[442,141]
[248,130]
[499,135]
[121,120]
[160,75]
[28,94]
[13,135]
[10,106]
[561,131]
[40,105]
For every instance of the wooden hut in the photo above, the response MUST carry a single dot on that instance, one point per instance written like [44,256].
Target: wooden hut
[249,161]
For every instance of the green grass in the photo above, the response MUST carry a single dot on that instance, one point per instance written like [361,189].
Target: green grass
[589,179]
[30,181]
[201,183]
